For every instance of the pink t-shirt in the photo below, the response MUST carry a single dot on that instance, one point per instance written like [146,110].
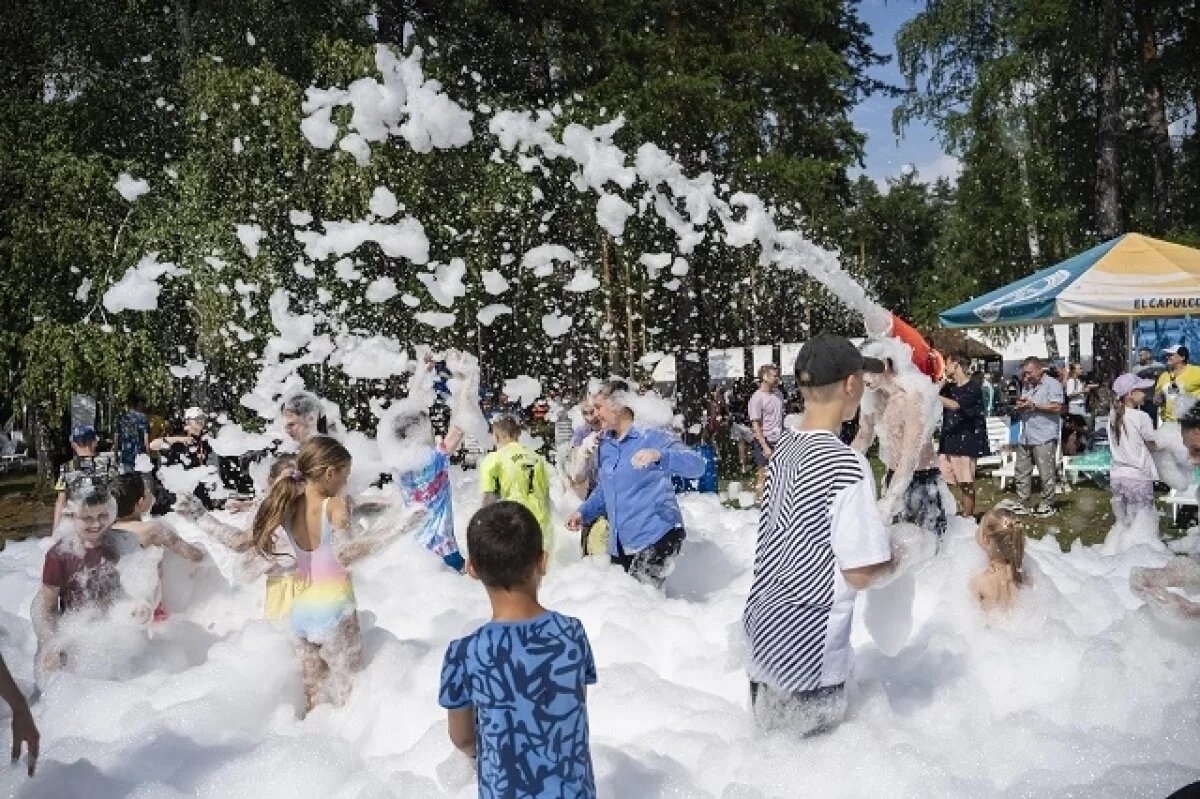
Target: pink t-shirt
[767,409]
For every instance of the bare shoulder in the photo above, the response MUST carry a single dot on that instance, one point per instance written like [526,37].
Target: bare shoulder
[339,512]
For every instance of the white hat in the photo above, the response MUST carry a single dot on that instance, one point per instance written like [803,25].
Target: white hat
[194,413]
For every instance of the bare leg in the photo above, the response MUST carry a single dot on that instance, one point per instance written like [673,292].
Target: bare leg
[343,658]
[312,672]
[968,499]
[741,446]
[760,481]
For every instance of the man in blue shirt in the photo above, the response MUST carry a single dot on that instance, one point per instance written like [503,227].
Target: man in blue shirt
[634,490]
[1040,408]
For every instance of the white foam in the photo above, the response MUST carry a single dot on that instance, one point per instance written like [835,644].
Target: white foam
[1079,689]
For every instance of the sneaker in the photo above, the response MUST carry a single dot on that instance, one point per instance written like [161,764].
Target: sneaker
[1019,509]
[1043,510]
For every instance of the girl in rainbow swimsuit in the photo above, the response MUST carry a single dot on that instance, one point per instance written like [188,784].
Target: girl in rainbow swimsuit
[304,522]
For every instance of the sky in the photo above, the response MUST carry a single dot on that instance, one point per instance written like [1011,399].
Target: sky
[886,154]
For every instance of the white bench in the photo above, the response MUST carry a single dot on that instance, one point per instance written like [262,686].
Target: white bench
[997,433]
[1176,499]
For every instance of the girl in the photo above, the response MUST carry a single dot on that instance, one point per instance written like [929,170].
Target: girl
[1131,436]
[307,504]
[1002,539]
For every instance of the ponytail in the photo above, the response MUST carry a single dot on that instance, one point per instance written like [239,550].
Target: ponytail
[280,504]
[1117,425]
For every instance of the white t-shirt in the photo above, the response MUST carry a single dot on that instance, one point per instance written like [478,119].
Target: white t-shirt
[1130,456]
[1075,406]
[819,517]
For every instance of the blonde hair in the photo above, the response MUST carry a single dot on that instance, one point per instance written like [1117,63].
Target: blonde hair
[1003,529]
[317,457]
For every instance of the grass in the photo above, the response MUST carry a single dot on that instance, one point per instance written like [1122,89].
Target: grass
[1082,514]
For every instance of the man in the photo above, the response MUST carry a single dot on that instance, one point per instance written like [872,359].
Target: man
[765,411]
[964,431]
[1147,367]
[133,434]
[1180,378]
[900,418]
[820,539]
[516,473]
[580,475]
[1040,408]
[634,489]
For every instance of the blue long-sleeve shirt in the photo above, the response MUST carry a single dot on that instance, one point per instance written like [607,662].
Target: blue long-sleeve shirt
[639,504]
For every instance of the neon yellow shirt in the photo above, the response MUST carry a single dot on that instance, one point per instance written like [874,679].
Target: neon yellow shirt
[516,473]
[1186,382]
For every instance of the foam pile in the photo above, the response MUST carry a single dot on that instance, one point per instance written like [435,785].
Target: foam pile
[1081,690]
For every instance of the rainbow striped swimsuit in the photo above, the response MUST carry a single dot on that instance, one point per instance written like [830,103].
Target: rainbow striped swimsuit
[324,594]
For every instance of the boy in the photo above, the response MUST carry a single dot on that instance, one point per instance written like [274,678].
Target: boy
[80,570]
[820,538]
[133,502]
[516,688]
[515,472]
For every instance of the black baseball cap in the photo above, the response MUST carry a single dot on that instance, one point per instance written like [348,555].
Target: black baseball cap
[825,360]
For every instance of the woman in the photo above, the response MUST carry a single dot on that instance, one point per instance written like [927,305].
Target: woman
[964,431]
[634,490]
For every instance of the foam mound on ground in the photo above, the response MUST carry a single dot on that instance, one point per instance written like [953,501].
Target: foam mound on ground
[1080,690]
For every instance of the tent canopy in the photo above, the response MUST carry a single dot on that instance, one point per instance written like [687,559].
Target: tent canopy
[1132,276]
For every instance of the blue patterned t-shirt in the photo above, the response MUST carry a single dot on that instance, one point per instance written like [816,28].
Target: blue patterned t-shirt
[527,682]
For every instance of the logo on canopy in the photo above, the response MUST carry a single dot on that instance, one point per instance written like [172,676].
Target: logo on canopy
[989,312]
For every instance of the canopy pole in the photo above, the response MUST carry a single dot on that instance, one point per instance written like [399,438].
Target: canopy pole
[1130,344]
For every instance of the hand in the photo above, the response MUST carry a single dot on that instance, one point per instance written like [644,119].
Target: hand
[51,658]
[141,613]
[24,731]
[233,506]
[189,507]
[575,521]
[645,457]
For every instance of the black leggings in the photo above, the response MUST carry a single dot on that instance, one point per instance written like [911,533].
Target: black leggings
[652,564]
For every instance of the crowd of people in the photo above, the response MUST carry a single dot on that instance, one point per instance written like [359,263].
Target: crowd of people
[824,533]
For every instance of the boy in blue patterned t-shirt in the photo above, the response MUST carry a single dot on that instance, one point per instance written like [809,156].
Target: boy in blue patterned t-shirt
[516,688]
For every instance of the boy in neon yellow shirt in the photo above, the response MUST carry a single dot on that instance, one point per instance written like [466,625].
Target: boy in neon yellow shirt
[516,473]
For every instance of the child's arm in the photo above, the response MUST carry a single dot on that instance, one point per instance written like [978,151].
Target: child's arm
[460,723]
[350,548]
[190,508]
[43,612]
[159,534]
[23,728]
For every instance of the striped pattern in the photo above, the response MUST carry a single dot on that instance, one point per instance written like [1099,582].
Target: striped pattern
[787,613]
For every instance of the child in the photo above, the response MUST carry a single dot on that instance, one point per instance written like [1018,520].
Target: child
[515,472]
[278,599]
[1003,540]
[133,501]
[516,689]
[80,570]
[1131,437]
[307,503]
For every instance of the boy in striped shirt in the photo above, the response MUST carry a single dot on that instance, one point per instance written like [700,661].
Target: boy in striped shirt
[820,540]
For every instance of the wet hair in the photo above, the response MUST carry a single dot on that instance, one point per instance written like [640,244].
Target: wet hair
[317,457]
[507,426]
[1033,360]
[616,391]
[1003,529]
[404,422]
[307,406]
[128,490]
[504,541]
[282,463]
